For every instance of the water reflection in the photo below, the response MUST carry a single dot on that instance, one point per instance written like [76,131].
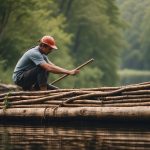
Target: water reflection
[78,137]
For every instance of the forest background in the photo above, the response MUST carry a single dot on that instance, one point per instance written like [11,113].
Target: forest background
[116,33]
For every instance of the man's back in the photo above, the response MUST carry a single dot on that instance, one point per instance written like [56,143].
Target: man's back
[29,60]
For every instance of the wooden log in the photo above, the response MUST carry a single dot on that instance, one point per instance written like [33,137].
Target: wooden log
[51,102]
[87,101]
[142,112]
[24,93]
[79,105]
[127,101]
[20,97]
[108,98]
[111,101]
[128,104]
[54,102]
[100,89]
[31,106]
[137,92]
[140,87]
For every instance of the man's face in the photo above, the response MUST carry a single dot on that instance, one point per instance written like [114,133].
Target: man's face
[47,50]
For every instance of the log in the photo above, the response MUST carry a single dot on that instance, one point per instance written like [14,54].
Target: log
[137,92]
[137,87]
[127,101]
[108,98]
[31,106]
[86,101]
[142,112]
[14,98]
[80,105]
[128,104]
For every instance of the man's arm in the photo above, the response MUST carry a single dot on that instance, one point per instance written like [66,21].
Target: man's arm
[58,70]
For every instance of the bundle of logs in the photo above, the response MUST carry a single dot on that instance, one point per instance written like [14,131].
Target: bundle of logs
[124,96]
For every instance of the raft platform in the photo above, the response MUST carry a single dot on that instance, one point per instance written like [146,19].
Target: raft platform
[131,102]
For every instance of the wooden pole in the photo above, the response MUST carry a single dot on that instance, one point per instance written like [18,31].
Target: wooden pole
[79,67]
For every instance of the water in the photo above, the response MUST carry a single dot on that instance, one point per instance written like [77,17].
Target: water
[80,136]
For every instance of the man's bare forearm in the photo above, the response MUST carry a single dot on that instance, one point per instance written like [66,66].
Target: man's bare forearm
[54,69]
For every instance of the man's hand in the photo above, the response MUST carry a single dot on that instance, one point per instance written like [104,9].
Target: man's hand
[74,72]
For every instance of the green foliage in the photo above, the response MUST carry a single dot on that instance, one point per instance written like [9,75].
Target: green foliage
[27,23]
[5,76]
[97,33]
[92,76]
[136,13]
[83,29]
[145,38]
[12,35]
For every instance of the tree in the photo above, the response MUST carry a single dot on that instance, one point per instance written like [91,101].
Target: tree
[136,13]
[145,45]
[12,16]
[23,23]
[97,33]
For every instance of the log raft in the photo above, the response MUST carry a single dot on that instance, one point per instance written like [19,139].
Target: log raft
[124,102]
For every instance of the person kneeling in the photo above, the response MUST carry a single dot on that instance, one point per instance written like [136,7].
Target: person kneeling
[32,69]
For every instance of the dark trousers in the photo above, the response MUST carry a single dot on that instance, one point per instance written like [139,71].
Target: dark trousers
[34,78]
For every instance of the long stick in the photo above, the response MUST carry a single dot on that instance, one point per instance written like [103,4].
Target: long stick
[79,67]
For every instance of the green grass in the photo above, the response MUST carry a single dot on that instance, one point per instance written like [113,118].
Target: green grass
[129,72]
[128,76]
[6,76]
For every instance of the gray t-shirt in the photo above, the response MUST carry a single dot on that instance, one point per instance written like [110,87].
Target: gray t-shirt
[29,60]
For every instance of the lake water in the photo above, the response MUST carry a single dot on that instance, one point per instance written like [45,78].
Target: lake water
[75,136]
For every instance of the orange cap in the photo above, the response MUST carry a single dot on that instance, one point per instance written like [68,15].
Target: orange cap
[49,40]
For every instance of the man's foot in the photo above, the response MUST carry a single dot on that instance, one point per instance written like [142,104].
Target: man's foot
[43,87]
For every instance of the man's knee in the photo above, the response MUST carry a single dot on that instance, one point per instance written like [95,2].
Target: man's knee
[41,71]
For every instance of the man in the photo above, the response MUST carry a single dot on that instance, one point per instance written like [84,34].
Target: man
[31,71]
